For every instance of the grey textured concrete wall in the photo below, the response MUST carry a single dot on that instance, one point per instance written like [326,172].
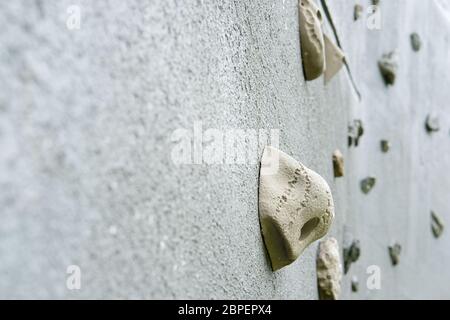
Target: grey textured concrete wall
[87,118]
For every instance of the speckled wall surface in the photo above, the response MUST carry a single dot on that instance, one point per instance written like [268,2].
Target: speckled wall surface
[87,119]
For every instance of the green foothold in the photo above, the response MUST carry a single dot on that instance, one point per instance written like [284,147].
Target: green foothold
[416,43]
[394,252]
[385,145]
[358,11]
[351,254]
[355,284]
[367,184]
[355,132]
[388,67]
[432,123]
[437,226]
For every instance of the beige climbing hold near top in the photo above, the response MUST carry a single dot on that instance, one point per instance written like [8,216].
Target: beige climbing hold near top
[319,54]
[312,41]
[295,207]
[334,59]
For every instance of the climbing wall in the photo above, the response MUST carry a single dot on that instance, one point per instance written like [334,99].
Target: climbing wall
[105,171]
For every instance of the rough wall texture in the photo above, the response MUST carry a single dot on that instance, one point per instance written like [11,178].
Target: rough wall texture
[86,125]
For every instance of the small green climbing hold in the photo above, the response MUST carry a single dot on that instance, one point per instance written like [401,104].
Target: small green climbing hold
[351,254]
[416,43]
[355,132]
[385,145]
[394,252]
[388,67]
[432,123]
[437,226]
[355,284]
[367,184]
[358,11]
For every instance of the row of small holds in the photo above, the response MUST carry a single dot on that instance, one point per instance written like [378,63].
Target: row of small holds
[329,267]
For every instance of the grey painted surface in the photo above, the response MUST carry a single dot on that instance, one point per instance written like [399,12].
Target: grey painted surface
[86,124]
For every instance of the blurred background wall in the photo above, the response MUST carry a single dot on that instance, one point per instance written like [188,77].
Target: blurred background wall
[88,112]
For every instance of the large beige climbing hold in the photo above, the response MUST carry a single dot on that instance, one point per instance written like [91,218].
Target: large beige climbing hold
[312,40]
[329,270]
[295,207]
